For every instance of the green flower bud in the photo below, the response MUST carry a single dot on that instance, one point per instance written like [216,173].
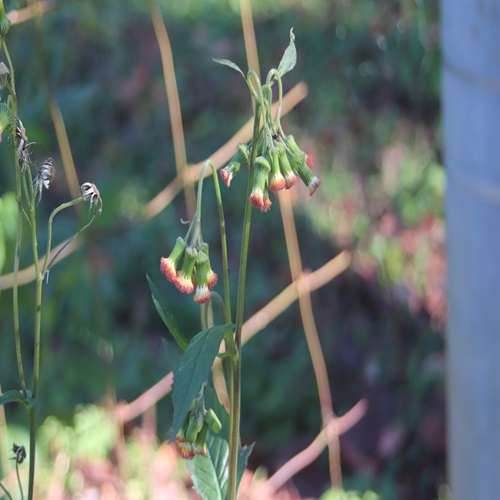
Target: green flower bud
[213,421]
[241,158]
[277,180]
[200,444]
[184,282]
[170,265]
[212,277]
[285,167]
[262,169]
[202,293]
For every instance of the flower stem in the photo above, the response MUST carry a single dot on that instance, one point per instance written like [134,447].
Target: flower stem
[15,287]
[36,354]
[235,387]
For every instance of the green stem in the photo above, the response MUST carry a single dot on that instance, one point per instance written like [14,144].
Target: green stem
[60,208]
[235,396]
[36,354]
[5,491]
[225,264]
[15,287]
[19,481]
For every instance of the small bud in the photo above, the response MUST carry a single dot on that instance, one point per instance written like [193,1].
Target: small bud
[184,282]
[183,447]
[242,157]
[170,264]
[202,293]
[276,181]
[285,167]
[193,428]
[299,165]
[200,444]
[213,421]
[262,169]
[212,277]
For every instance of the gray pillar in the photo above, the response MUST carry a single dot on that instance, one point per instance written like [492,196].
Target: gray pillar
[471,133]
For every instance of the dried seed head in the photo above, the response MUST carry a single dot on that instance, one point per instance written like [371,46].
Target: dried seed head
[20,453]
[89,190]
[23,146]
[44,177]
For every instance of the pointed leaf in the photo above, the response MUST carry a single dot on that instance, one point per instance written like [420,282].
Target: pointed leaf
[167,316]
[231,64]
[289,58]
[210,473]
[194,370]
[243,455]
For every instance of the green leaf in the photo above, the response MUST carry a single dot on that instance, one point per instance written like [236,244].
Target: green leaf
[194,370]
[16,396]
[231,64]
[210,473]
[289,58]
[167,316]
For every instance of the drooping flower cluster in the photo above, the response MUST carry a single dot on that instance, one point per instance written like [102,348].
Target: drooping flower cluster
[191,439]
[188,268]
[278,163]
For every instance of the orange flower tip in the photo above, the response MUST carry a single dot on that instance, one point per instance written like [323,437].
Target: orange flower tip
[309,161]
[256,200]
[277,183]
[226,176]
[267,205]
[184,283]
[290,180]
[167,267]
[212,279]
[184,449]
[197,450]
[202,294]
[313,185]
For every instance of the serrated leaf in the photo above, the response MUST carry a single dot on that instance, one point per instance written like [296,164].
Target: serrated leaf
[167,316]
[231,64]
[289,58]
[210,473]
[16,396]
[194,370]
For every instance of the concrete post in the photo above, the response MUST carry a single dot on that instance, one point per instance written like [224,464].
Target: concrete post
[471,133]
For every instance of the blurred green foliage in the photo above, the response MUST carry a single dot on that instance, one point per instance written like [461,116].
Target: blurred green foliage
[372,69]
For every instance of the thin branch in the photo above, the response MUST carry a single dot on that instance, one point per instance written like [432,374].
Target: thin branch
[312,337]
[307,456]
[174,105]
[126,412]
[19,16]
[305,283]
